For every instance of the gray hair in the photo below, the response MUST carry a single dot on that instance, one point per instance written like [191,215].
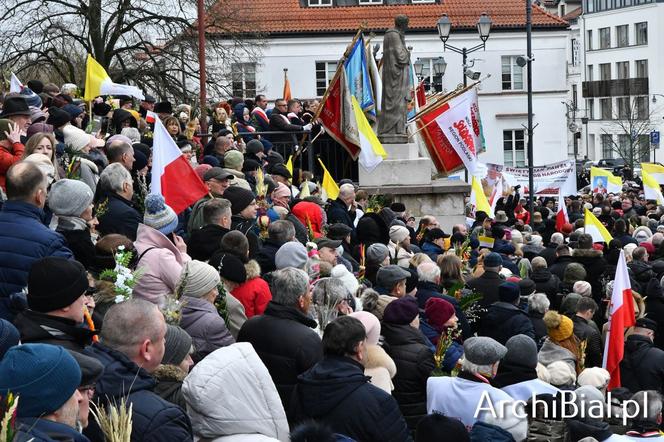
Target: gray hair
[288,285]
[281,231]
[538,302]
[469,367]
[557,238]
[129,323]
[329,291]
[116,149]
[428,272]
[538,263]
[649,403]
[132,133]
[114,176]
[345,190]
[215,209]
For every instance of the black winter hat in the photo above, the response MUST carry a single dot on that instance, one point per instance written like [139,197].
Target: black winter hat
[163,107]
[55,283]
[36,86]
[338,231]
[250,165]
[229,266]
[280,169]
[91,368]
[57,117]
[240,198]
[177,345]
[15,105]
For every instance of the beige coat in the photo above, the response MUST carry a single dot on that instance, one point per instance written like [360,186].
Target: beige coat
[380,366]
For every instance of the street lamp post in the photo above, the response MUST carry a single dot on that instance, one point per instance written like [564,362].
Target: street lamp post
[483,28]
[439,67]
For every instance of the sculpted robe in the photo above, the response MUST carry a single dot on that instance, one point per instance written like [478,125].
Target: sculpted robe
[396,84]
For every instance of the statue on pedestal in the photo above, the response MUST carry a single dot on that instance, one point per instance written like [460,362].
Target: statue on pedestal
[396,84]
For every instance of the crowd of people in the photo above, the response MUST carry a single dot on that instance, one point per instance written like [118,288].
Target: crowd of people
[267,312]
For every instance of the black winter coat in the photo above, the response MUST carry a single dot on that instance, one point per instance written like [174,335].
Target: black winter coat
[80,244]
[336,392]
[487,284]
[559,266]
[40,328]
[504,320]
[248,227]
[154,419]
[642,367]
[284,340]
[266,256]
[547,283]
[301,232]
[642,273]
[426,290]
[119,216]
[655,311]
[587,332]
[338,213]
[204,242]
[595,264]
[414,360]
[549,253]
[539,327]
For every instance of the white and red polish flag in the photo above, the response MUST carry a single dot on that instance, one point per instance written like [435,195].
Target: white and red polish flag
[621,316]
[172,175]
[561,217]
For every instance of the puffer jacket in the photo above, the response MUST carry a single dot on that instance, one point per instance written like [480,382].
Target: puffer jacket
[231,396]
[248,228]
[254,293]
[169,384]
[546,282]
[119,216]
[207,329]
[153,418]
[161,262]
[23,240]
[44,430]
[414,360]
[336,392]
[380,367]
[504,320]
[642,367]
[483,432]
[642,273]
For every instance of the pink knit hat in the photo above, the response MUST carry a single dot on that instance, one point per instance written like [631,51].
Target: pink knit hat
[371,324]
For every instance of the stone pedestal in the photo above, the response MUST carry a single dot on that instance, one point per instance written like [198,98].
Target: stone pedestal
[407,177]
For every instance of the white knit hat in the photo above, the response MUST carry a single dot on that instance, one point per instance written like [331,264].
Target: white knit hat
[594,376]
[197,279]
[341,273]
[398,234]
[77,139]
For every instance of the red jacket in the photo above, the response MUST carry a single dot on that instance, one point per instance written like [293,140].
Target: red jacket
[254,294]
[7,158]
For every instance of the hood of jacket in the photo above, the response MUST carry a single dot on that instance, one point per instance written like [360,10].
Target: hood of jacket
[323,387]
[147,237]
[540,275]
[253,269]
[250,402]
[377,357]
[121,375]
[580,429]
[371,228]
[307,212]
[587,253]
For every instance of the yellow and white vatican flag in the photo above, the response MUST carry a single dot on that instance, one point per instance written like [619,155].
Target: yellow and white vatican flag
[656,171]
[596,229]
[97,82]
[372,152]
[603,181]
[651,189]
[478,199]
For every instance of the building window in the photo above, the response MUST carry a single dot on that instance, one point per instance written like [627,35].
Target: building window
[371,2]
[590,75]
[244,80]
[622,36]
[320,2]
[623,108]
[514,148]
[641,30]
[562,10]
[607,146]
[622,70]
[604,71]
[605,38]
[589,40]
[643,141]
[624,141]
[590,6]
[605,109]
[641,68]
[590,108]
[512,74]
[325,70]
[432,82]
[574,93]
[642,108]
[575,52]
[423,1]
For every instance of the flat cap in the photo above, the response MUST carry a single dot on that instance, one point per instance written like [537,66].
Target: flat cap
[481,350]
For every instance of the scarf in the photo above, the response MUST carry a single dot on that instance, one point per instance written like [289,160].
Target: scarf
[68,223]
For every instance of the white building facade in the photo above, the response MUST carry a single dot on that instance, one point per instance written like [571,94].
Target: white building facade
[623,73]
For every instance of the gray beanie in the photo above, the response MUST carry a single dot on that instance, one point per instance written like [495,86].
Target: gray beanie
[158,215]
[481,350]
[197,279]
[69,197]
[376,253]
[177,345]
[291,254]
[522,350]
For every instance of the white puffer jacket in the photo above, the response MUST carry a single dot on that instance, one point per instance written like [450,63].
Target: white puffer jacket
[231,397]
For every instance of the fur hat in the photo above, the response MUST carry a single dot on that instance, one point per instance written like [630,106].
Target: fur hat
[559,327]
[158,215]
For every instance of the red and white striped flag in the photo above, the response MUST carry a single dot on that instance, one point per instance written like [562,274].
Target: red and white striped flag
[561,217]
[621,316]
[172,175]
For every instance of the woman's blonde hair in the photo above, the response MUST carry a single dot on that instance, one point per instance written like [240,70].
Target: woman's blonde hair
[34,141]
[451,267]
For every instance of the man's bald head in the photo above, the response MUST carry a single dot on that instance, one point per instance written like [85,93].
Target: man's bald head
[24,181]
